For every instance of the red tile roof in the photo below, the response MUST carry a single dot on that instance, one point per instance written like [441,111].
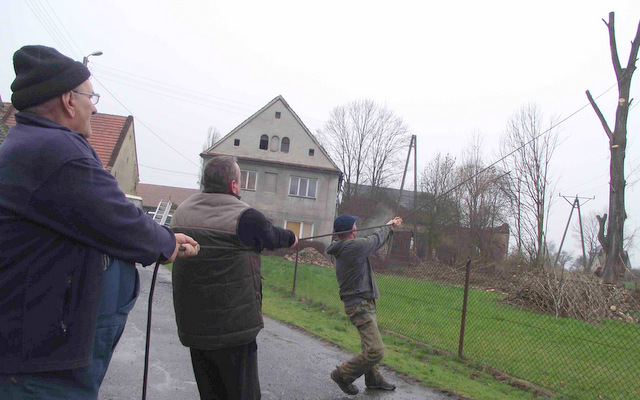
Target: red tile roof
[152,194]
[108,131]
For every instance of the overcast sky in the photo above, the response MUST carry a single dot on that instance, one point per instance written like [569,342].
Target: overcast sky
[449,70]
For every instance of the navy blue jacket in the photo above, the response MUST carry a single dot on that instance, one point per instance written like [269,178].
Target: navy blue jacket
[60,212]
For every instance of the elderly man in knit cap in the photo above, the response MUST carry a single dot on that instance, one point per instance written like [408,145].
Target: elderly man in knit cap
[69,238]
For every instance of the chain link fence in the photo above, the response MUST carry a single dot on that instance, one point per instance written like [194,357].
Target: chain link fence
[562,331]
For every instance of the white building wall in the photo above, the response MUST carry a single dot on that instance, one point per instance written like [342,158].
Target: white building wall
[125,168]
[279,206]
[266,123]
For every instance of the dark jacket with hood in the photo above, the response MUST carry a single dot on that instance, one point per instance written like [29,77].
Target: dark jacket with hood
[60,212]
[353,269]
[217,294]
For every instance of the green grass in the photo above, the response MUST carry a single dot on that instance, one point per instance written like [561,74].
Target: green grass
[571,358]
[416,361]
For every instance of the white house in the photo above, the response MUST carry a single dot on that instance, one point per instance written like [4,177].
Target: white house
[286,174]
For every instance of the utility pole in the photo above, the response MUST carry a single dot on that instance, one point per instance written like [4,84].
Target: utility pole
[519,225]
[415,193]
[575,204]
[404,175]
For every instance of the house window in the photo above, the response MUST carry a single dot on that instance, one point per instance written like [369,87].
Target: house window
[236,142]
[264,142]
[311,152]
[248,180]
[300,228]
[284,145]
[275,143]
[303,187]
[278,114]
[270,182]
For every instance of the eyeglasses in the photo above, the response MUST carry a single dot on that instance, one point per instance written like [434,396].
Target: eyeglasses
[94,97]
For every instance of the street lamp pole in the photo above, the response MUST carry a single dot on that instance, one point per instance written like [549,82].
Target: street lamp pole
[85,60]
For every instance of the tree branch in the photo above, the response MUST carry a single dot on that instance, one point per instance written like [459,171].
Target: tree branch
[603,121]
[601,237]
[614,48]
[633,56]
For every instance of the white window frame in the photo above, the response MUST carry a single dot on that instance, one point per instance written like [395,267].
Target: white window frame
[246,181]
[305,195]
[302,225]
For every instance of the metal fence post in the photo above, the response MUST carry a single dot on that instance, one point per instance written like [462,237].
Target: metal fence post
[295,271]
[464,307]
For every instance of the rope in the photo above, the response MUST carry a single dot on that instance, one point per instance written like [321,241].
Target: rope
[148,338]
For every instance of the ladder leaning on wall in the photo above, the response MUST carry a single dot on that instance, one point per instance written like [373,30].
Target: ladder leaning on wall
[162,212]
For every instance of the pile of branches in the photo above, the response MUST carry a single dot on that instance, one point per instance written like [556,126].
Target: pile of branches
[309,255]
[580,296]
[484,275]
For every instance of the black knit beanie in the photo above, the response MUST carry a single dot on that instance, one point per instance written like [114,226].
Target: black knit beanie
[42,73]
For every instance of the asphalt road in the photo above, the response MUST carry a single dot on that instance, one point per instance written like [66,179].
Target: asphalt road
[292,364]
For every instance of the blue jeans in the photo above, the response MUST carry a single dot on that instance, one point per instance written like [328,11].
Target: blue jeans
[120,289]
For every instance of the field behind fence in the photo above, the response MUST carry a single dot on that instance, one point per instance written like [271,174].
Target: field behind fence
[424,302]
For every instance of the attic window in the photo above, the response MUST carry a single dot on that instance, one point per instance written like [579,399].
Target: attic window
[236,142]
[264,142]
[311,152]
[284,145]
[277,114]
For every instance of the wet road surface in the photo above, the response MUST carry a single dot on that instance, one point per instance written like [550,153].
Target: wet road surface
[292,364]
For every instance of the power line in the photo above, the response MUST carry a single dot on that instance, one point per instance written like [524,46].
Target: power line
[167,170]
[190,101]
[159,83]
[65,29]
[152,83]
[510,153]
[145,125]
[49,26]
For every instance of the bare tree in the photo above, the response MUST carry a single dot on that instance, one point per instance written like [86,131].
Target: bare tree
[213,135]
[527,150]
[389,142]
[438,205]
[367,141]
[612,241]
[590,229]
[484,199]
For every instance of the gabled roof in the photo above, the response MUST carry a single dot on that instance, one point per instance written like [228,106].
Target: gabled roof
[152,194]
[108,132]
[211,150]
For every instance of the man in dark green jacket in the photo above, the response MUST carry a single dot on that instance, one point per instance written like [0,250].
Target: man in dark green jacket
[218,294]
[359,291]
